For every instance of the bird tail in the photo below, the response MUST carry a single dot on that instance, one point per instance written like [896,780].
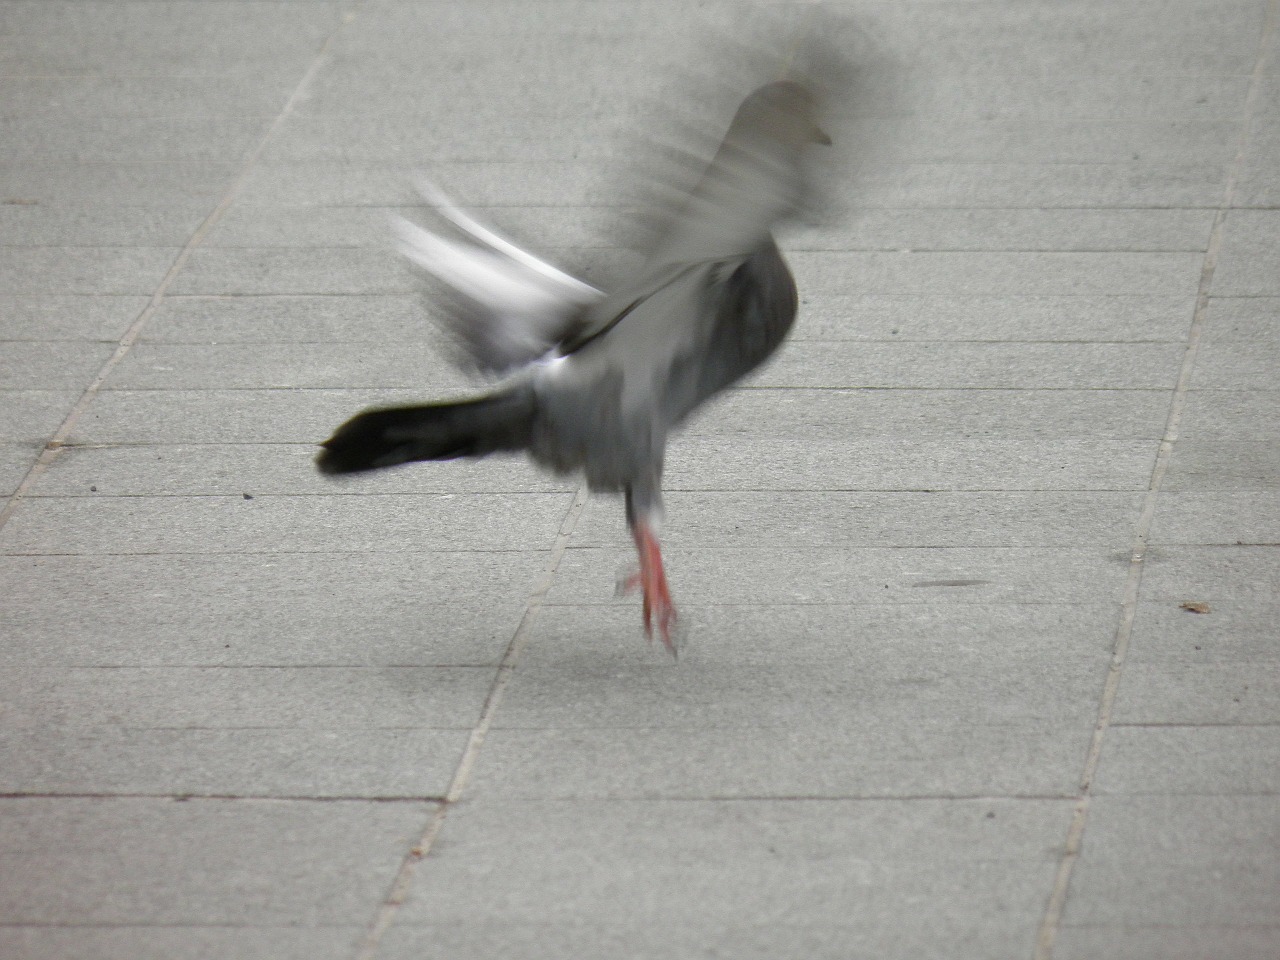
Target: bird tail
[438,431]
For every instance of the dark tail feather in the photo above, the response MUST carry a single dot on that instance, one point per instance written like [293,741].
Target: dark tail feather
[438,431]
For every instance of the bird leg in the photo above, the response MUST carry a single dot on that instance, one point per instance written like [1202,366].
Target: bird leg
[652,580]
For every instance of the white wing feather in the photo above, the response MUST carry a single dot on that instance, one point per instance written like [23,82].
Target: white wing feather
[520,304]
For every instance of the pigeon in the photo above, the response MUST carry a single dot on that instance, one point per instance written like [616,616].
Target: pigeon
[595,382]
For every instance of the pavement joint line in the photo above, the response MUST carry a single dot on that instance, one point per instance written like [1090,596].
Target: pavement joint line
[1052,919]
[462,774]
[126,343]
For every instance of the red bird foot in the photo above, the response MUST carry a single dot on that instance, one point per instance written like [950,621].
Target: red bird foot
[652,580]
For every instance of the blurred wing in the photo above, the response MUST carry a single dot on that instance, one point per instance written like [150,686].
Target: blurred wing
[510,307]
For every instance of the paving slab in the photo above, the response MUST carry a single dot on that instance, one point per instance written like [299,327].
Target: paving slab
[843,363]
[932,458]
[84,270]
[1249,261]
[1190,692]
[1235,758]
[923,184]
[872,758]
[989,94]
[1166,942]
[15,460]
[51,365]
[1241,319]
[191,38]
[898,634]
[130,138]
[141,942]
[906,317]
[549,228]
[234,271]
[1234,631]
[1220,517]
[837,517]
[89,96]
[645,939]
[309,415]
[230,698]
[136,470]
[102,225]
[858,574]
[32,416]
[729,862]
[301,318]
[199,862]
[248,524]
[303,609]
[1224,463]
[281,366]
[593,694]
[54,317]
[1162,860]
[973,272]
[1224,573]
[263,762]
[133,183]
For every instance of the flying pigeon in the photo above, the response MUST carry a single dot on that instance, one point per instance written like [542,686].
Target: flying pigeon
[597,381]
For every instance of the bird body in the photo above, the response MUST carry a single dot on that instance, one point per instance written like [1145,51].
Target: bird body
[601,380]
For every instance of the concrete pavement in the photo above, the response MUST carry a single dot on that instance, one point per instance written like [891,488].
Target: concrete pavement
[942,698]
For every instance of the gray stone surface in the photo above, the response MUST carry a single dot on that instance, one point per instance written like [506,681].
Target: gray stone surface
[127,183]
[1226,517]
[653,939]
[308,415]
[972,366]
[223,469]
[1235,631]
[15,460]
[231,690]
[98,226]
[55,365]
[832,518]
[726,863]
[1191,692]
[53,317]
[281,366]
[281,609]
[84,270]
[898,317]
[858,574]
[1242,318]
[1162,860]
[1163,942]
[973,272]
[203,698]
[144,942]
[872,757]
[1234,758]
[197,862]
[263,762]
[247,525]
[31,416]
[291,319]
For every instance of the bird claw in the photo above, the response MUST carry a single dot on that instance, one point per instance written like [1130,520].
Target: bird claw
[668,622]
[652,579]
[628,581]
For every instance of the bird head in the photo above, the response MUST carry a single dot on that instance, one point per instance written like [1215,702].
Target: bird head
[783,111]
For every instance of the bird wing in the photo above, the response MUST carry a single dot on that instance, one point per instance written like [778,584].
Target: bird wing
[509,306]
[755,181]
